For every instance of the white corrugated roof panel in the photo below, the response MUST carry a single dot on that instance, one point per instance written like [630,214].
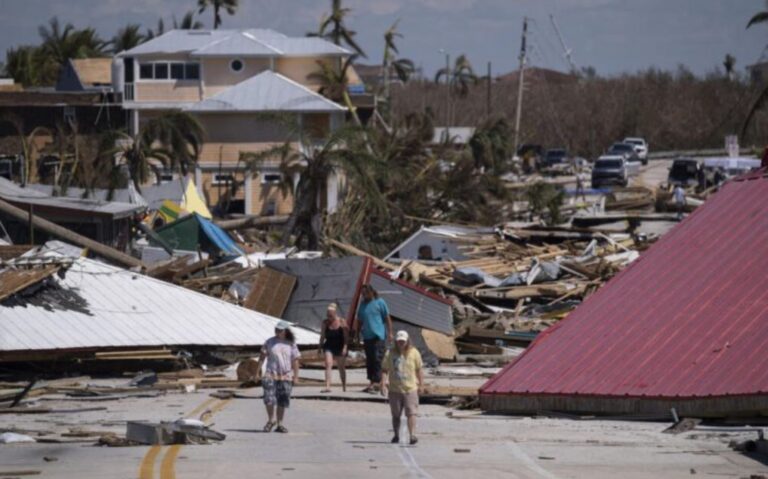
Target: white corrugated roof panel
[267,91]
[178,41]
[102,306]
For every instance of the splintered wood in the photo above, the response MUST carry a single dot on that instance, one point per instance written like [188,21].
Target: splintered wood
[271,292]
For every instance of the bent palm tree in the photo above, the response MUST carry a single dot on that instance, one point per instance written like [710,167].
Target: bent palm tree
[127,37]
[229,5]
[314,165]
[171,141]
[334,29]
[402,67]
[334,82]
[188,22]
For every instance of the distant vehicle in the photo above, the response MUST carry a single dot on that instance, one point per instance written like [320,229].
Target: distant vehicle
[555,157]
[610,170]
[641,147]
[685,172]
[624,149]
[530,150]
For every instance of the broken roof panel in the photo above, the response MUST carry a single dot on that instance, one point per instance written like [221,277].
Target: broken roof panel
[102,306]
[267,91]
[687,320]
[338,280]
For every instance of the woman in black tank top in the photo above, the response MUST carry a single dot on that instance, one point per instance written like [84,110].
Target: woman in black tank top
[333,343]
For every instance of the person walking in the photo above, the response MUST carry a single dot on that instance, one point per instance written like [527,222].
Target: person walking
[282,372]
[679,196]
[375,324]
[403,375]
[334,336]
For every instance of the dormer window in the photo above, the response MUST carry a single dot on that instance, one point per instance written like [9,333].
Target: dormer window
[236,65]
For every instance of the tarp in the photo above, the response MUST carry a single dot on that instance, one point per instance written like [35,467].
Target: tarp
[193,232]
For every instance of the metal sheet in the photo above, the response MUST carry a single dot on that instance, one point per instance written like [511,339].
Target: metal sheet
[689,319]
[98,305]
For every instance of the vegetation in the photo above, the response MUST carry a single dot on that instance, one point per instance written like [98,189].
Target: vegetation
[334,29]
[230,6]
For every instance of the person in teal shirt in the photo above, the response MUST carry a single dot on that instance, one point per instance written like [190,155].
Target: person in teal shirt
[375,324]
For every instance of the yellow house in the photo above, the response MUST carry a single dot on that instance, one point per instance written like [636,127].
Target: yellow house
[250,89]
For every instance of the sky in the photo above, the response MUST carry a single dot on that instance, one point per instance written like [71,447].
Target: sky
[613,36]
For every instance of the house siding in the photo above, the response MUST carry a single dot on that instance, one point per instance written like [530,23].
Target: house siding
[218,76]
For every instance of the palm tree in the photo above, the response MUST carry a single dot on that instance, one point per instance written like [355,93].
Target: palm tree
[402,67]
[459,78]
[762,97]
[188,22]
[127,37]
[23,65]
[313,165]
[229,5]
[173,141]
[492,147]
[29,147]
[334,82]
[729,63]
[59,44]
[333,29]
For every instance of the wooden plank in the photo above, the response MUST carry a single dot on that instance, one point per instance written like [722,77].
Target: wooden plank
[271,292]
[13,281]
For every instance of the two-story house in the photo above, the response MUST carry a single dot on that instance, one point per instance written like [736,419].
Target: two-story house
[250,89]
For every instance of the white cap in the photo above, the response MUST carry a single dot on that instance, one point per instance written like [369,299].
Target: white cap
[401,336]
[281,325]
[332,307]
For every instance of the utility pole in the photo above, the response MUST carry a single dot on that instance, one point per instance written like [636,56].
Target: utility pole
[523,60]
[567,50]
[488,93]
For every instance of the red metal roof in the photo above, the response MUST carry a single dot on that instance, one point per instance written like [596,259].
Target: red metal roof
[688,319]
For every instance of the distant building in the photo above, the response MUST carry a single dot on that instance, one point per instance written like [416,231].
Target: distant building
[81,74]
[534,75]
[250,89]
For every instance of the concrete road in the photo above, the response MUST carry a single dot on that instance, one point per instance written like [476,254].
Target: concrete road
[332,439]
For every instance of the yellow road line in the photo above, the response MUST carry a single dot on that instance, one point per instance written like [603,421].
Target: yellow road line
[168,466]
[147,468]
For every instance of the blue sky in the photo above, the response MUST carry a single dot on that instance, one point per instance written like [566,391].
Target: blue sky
[614,36]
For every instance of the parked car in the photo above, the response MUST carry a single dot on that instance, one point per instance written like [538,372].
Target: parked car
[555,156]
[610,170]
[685,172]
[641,147]
[624,149]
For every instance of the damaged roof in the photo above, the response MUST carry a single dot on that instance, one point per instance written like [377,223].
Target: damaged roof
[96,305]
[688,319]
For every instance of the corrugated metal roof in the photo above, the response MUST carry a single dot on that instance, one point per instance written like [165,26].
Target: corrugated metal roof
[101,306]
[689,319]
[248,42]
[267,91]
[10,191]
[413,305]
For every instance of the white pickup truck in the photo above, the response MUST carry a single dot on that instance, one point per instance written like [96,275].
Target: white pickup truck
[641,148]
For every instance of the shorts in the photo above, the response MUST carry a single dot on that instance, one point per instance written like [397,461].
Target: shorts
[374,353]
[404,401]
[277,392]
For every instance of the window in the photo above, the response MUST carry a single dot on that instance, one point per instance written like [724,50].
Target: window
[166,177]
[161,71]
[236,65]
[192,71]
[222,179]
[169,70]
[271,178]
[177,71]
[145,71]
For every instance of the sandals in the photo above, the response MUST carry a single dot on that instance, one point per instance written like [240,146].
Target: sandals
[268,426]
[325,391]
[281,428]
[413,441]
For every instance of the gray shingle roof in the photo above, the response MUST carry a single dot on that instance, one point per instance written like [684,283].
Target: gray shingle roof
[267,91]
